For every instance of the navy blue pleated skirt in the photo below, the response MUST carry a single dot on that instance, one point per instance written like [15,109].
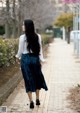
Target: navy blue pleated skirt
[32,74]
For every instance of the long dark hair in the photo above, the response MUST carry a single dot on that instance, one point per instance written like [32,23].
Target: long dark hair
[32,37]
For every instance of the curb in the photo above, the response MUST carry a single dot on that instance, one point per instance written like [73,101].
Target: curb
[9,87]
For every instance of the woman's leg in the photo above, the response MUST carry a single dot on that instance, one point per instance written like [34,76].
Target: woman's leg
[37,93]
[31,101]
[37,97]
[30,96]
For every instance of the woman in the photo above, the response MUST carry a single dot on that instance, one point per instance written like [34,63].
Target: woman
[30,52]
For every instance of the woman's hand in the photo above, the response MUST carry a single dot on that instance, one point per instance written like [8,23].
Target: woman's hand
[18,60]
[43,61]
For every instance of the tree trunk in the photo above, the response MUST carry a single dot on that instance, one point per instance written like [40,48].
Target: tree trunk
[7,33]
[7,30]
[68,35]
[14,21]
[14,33]
[19,20]
[68,38]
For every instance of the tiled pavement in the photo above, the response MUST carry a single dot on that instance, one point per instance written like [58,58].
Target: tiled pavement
[61,71]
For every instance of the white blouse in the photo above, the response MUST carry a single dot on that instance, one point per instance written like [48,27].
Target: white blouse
[22,49]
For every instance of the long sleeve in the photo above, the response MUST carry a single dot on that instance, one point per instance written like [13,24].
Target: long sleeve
[41,52]
[20,47]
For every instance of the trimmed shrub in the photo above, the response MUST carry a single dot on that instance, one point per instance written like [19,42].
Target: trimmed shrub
[8,49]
[46,38]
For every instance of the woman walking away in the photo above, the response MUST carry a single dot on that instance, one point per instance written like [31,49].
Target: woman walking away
[30,53]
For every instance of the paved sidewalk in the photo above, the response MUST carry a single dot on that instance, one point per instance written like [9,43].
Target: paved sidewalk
[61,71]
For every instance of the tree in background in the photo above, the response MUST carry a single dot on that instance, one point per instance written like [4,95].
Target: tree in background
[7,19]
[40,11]
[65,20]
[15,11]
[7,14]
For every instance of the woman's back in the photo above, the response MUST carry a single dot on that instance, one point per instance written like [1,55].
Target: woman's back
[22,49]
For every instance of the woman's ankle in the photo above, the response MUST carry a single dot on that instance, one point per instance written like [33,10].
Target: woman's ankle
[31,105]
[37,102]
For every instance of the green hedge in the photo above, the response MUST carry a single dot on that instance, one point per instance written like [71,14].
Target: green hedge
[8,49]
[46,38]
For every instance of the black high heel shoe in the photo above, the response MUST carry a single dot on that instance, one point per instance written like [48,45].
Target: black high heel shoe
[37,102]
[31,105]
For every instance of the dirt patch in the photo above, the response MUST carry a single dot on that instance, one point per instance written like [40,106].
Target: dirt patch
[7,73]
[74,98]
